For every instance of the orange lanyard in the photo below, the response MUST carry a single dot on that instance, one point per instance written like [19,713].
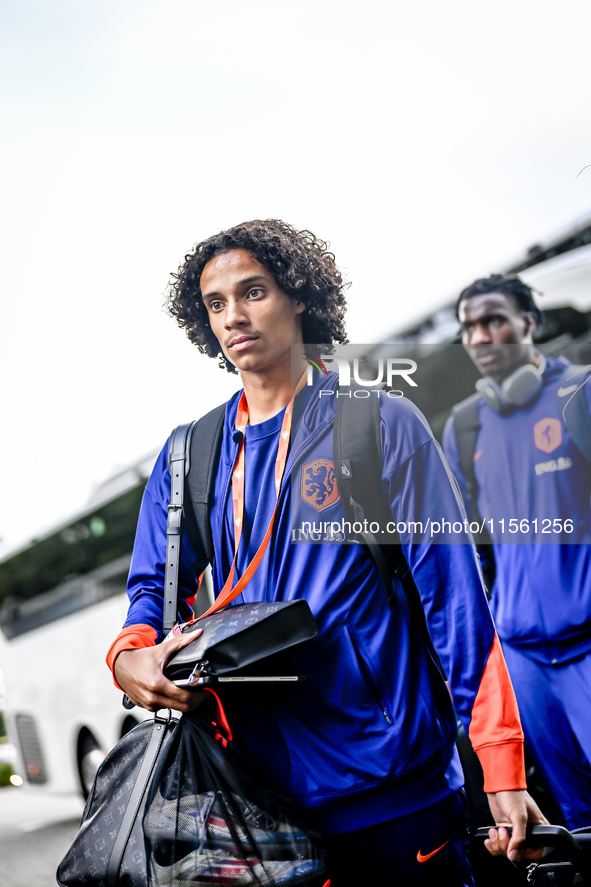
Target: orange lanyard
[228,594]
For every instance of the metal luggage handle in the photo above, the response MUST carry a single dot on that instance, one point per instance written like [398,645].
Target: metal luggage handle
[572,847]
[543,836]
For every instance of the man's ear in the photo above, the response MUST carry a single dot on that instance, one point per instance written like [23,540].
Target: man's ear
[299,306]
[529,323]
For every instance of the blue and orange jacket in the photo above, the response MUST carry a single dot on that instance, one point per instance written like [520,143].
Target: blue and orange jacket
[371,735]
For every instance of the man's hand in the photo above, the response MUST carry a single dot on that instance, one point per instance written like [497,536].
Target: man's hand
[516,809]
[140,674]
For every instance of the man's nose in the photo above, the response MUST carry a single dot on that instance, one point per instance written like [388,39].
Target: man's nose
[479,335]
[235,313]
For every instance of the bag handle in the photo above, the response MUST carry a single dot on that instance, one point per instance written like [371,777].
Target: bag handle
[159,730]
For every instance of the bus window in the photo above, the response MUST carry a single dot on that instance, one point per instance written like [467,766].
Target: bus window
[49,578]
[62,601]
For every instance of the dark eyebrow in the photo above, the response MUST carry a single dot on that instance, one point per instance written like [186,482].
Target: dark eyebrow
[245,282]
[252,279]
[485,319]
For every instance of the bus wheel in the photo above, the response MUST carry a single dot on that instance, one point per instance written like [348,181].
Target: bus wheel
[128,724]
[90,756]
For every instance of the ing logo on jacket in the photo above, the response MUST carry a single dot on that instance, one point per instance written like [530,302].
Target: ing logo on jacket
[318,486]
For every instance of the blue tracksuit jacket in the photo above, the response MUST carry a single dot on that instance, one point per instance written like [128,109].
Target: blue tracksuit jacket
[528,467]
[371,736]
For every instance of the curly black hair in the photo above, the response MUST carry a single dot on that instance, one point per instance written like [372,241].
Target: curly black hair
[300,263]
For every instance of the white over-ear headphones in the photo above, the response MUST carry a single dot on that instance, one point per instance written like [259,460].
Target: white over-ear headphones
[516,390]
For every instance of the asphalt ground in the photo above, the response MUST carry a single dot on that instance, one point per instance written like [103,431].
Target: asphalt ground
[36,829]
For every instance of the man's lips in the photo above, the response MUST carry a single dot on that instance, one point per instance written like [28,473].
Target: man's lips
[241,343]
[484,358]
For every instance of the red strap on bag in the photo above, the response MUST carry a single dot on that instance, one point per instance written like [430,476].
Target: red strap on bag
[222,720]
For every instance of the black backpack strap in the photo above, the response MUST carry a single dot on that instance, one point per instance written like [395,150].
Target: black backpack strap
[358,464]
[205,448]
[573,407]
[193,456]
[466,428]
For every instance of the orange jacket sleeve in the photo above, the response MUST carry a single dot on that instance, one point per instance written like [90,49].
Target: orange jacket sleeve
[495,728]
[134,637]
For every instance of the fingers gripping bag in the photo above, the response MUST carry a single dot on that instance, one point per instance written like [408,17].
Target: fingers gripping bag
[208,820]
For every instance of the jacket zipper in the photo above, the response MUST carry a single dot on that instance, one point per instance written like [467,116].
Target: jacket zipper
[368,676]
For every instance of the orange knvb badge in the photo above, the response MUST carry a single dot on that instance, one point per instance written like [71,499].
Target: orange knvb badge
[421,858]
[318,486]
[547,434]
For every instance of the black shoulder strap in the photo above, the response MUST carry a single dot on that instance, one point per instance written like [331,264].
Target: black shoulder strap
[573,406]
[178,465]
[357,447]
[206,445]
[358,462]
[193,455]
[466,428]
[358,468]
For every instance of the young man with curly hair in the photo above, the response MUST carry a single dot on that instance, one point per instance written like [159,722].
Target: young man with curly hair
[366,746]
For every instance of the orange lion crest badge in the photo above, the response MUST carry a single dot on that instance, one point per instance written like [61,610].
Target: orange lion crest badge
[318,486]
[547,435]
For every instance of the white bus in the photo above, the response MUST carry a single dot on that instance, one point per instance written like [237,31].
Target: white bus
[62,601]
[559,271]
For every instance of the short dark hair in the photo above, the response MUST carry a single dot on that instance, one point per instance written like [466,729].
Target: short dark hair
[300,263]
[508,285]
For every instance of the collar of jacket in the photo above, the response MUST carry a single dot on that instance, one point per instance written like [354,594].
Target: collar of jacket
[316,420]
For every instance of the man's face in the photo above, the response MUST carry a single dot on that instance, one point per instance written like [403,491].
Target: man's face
[496,334]
[255,321]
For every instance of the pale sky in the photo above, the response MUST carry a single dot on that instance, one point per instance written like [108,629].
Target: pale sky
[429,142]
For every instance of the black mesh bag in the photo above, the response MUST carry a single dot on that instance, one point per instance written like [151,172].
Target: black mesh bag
[208,820]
